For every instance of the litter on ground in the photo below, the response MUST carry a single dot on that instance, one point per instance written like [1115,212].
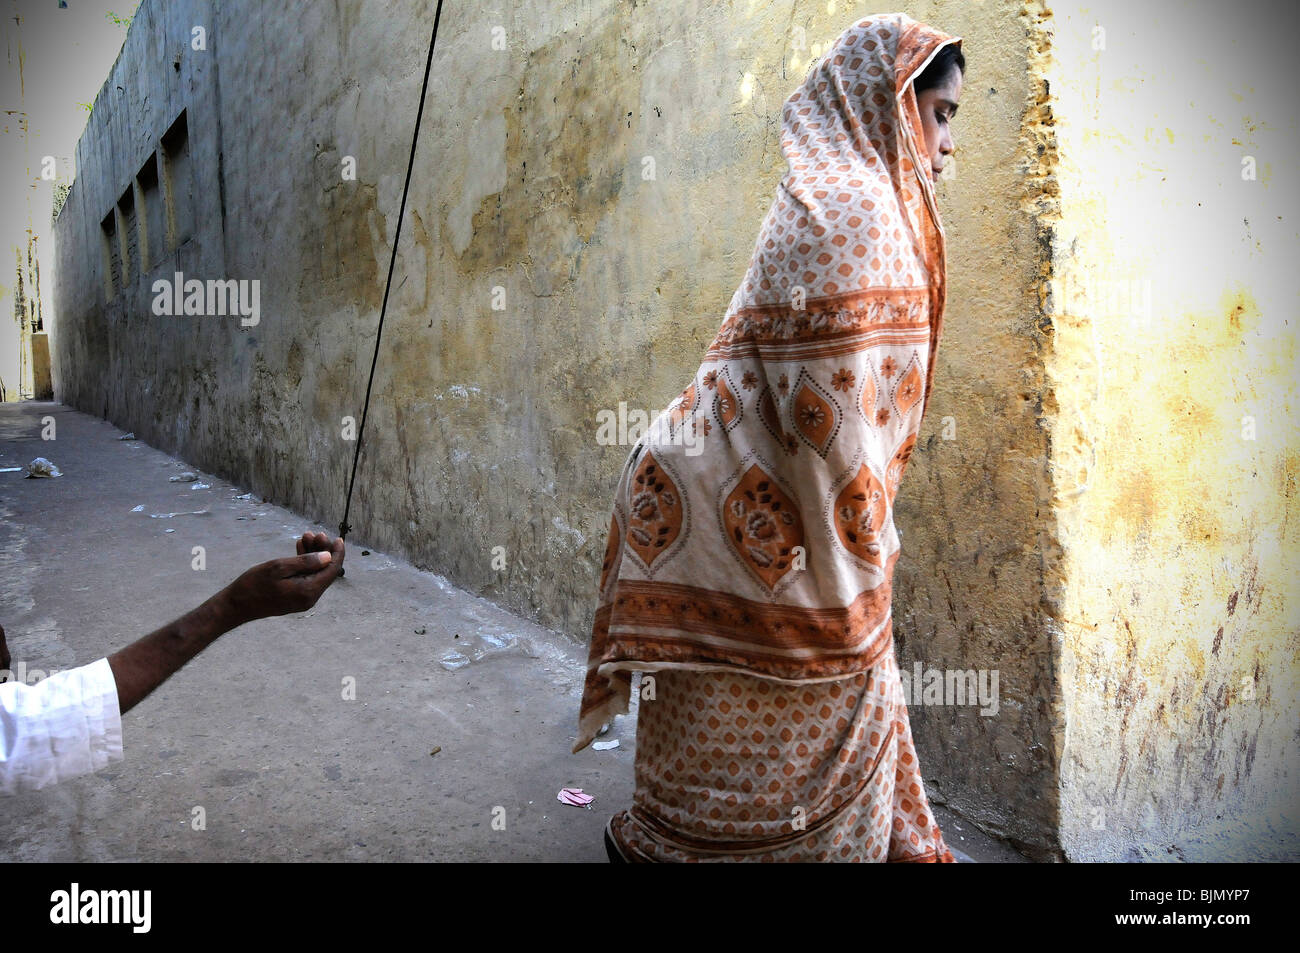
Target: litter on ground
[40,467]
[575,797]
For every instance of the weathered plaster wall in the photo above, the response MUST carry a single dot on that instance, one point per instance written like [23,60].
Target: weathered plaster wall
[530,179]
[1173,313]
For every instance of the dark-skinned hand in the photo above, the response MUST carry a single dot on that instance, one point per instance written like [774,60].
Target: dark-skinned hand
[292,584]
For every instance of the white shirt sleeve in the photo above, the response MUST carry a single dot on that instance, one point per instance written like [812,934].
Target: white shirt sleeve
[63,726]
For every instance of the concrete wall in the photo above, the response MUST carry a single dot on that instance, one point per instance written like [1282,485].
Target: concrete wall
[529,191]
[1173,366]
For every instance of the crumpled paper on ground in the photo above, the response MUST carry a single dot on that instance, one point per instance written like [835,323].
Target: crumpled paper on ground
[40,467]
[575,797]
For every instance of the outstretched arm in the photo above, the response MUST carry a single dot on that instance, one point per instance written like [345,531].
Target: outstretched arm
[277,587]
[70,723]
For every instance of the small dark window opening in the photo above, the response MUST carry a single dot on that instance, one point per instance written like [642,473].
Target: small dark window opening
[111,254]
[128,236]
[152,215]
[176,183]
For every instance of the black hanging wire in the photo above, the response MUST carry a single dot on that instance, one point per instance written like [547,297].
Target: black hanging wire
[392,262]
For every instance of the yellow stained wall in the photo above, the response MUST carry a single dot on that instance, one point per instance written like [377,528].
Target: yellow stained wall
[1172,367]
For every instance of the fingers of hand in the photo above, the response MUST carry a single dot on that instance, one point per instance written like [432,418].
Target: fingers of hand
[317,542]
[297,582]
[312,562]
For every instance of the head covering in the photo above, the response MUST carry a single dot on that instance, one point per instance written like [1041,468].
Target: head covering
[752,528]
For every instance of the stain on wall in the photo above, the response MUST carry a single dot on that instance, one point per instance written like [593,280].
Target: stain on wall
[1174,448]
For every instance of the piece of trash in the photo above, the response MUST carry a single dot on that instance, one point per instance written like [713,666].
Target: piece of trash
[486,645]
[436,749]
[244,496]
[454,661]
[200,486]
[604,745]
[169,531]
[365,552]
[127,436]
[40,467]
[138,509]
[10,469]
[575,797]
[187,477]
[420,631]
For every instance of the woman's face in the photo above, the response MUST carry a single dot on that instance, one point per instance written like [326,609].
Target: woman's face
[938,105]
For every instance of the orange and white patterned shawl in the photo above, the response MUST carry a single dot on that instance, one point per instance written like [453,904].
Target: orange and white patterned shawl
[767,545]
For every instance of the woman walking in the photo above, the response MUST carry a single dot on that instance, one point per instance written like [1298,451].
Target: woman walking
[749,565]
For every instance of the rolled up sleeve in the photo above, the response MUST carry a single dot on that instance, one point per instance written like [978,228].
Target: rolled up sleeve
[61,727]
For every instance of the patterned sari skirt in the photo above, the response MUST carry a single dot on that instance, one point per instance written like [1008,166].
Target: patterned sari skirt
[733,767]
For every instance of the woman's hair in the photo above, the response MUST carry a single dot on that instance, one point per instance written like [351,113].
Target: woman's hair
[940,68]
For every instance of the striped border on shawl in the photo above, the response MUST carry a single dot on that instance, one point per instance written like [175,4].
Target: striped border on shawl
[828,345]
[787,629]
[647,620]
[828,328]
